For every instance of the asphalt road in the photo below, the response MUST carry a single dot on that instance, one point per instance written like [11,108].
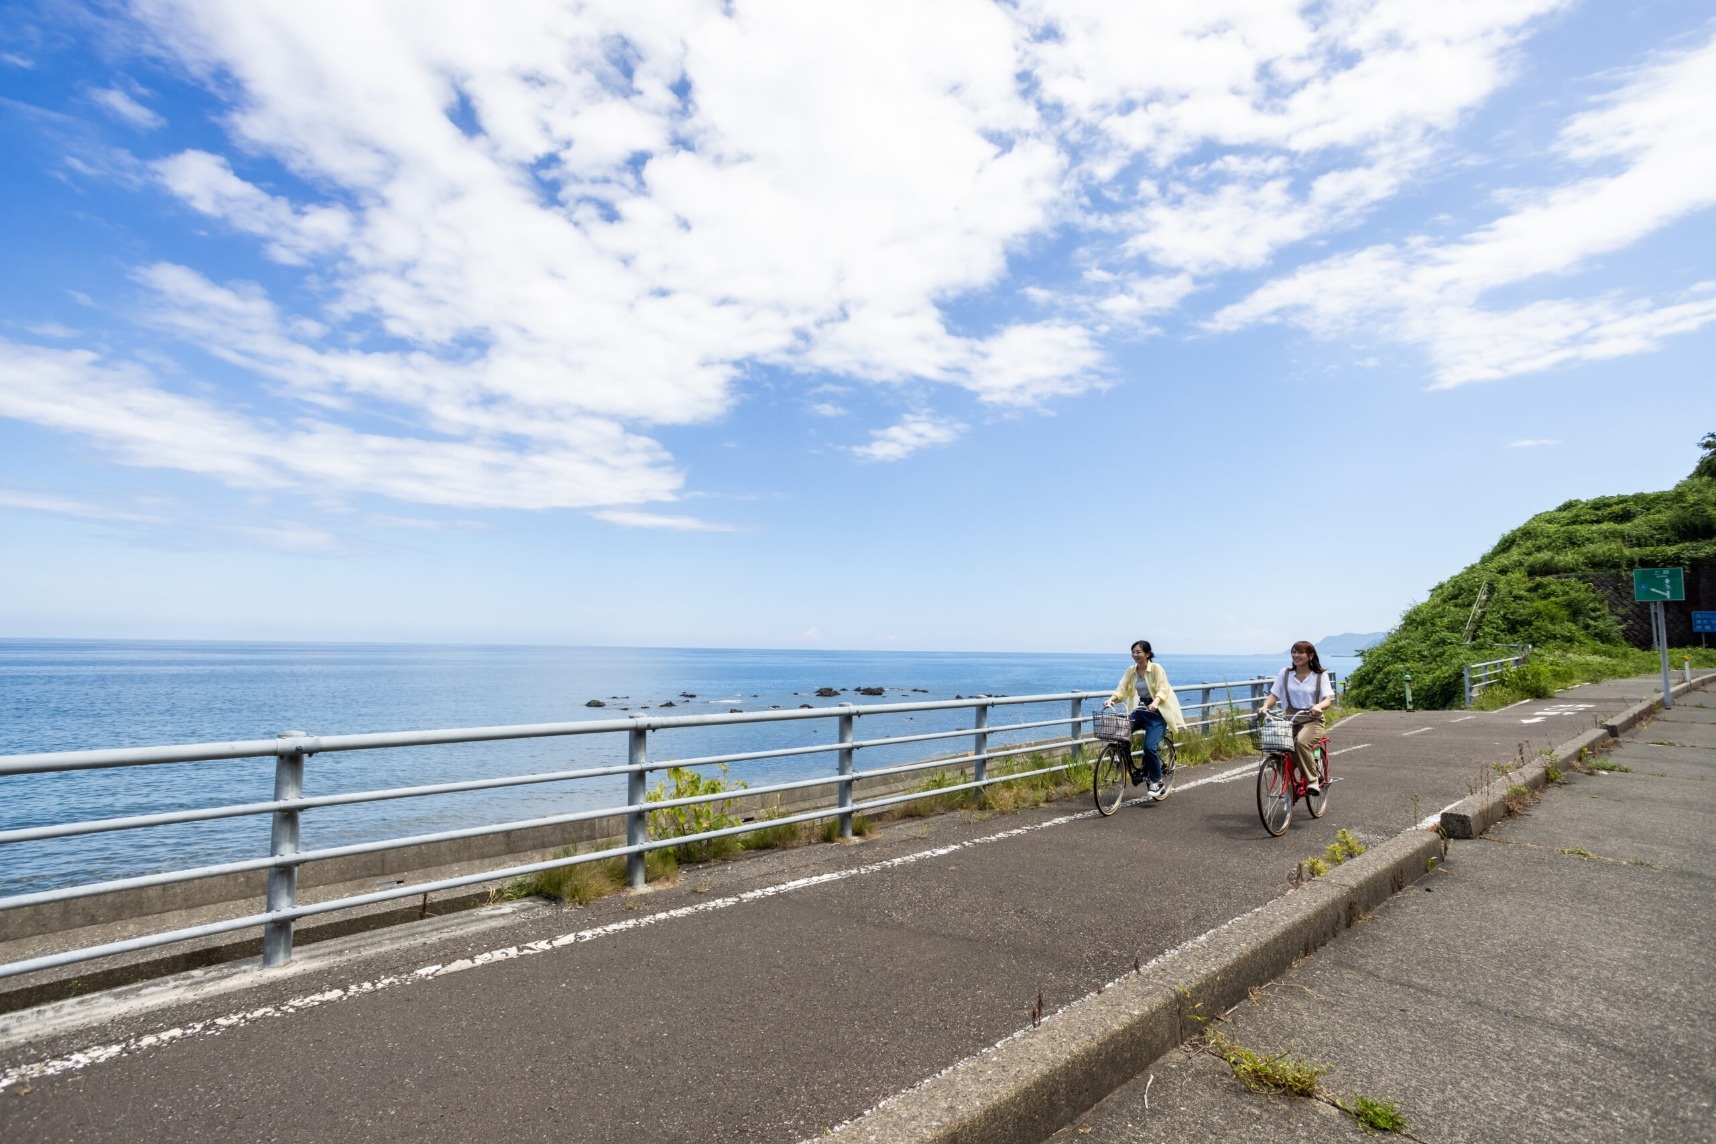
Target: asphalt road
[847,974]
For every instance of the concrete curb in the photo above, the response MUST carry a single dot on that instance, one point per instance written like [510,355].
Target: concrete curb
[1032,1084]
[1472,816]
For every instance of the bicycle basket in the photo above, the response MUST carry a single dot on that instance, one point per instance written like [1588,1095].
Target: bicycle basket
[1277,734]
[1111,725]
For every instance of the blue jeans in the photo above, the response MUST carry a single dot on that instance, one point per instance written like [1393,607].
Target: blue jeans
[1154,727]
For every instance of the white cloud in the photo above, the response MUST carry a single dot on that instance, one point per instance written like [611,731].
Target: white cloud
[1532,442]
[207,183]
[632,519]
[122,105]
[575,464]
[1311,115]
[918,431]
[69,506]
[528,242]
[1657,149]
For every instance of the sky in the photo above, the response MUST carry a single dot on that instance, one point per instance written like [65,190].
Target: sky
[941,325]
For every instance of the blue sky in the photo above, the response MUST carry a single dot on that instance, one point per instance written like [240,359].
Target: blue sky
[929,325]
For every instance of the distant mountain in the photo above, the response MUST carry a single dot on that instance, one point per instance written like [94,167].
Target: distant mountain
[1349,643]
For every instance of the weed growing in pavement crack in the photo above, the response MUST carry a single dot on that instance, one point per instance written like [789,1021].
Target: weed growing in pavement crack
[1346,845]
[1520,799]
[1608,765]
[1376,1115]
[1271,1073]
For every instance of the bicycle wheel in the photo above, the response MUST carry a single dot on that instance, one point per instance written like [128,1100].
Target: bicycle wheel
[1108,779]
[1274,794]
[1169,756]
[1318,803]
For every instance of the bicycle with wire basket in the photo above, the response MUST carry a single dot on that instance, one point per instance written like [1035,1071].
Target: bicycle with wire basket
[1109,776]
[1279,781]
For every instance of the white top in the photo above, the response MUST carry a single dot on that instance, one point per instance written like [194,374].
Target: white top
[1301,692]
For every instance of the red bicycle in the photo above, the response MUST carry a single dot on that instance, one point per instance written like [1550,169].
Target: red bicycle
[1279,782]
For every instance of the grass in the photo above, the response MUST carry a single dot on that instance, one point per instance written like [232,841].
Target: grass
[1272,1073]
[1608,765]
[1377,1115]
[1552,670]
[1344,847]
[589,881]
[782,837]
[1228,736]
[1288,1074]
[1520,799]
[861,825]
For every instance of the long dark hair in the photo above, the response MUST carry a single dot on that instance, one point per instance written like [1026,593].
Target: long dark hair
[1309,649]
[1145,644]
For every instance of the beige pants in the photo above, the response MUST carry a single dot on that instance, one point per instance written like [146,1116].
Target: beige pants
[1305,737]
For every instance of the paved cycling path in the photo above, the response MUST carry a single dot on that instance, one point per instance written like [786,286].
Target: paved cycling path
[764,999]
[1554,984]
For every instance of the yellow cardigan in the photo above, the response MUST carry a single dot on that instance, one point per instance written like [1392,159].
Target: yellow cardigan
[1156,680]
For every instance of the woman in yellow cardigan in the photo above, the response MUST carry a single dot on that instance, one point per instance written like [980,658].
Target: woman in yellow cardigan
[1155,717]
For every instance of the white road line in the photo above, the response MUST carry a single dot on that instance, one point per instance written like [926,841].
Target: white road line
[1463,718]
[1436,819]
[218,1025]
[1420,731]
[1511,706]
[1344,750]
[1539,719]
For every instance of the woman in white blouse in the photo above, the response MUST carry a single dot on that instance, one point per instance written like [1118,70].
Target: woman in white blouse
[1304,687]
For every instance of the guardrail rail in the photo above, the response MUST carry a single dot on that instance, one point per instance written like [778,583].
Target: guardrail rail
[1478,676]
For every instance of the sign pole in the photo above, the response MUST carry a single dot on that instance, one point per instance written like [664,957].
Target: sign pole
[1655,586]
[1661,619]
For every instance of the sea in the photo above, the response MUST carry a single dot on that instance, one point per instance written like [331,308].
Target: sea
[66,695]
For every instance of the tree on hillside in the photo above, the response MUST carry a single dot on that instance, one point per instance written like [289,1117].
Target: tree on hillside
[1706,466]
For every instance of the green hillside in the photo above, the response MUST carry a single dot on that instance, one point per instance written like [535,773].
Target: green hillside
[1547,584]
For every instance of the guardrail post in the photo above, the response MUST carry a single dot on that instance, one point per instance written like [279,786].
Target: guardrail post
[283,880]
[637,820]
[1077,727]
[1466,685]
[1256,699]
[980,743]
[845,773]
[1204,712]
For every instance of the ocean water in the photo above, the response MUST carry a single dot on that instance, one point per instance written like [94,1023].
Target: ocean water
[58,695]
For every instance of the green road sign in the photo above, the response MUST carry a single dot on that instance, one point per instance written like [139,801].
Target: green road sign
[1657,584]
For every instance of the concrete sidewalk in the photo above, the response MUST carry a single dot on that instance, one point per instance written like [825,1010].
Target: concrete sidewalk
[1553,981]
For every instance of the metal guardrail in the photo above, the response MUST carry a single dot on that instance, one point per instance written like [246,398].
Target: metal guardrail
[1478,676]
[291,750]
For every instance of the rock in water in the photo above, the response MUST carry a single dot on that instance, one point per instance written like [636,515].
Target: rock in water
[595,703]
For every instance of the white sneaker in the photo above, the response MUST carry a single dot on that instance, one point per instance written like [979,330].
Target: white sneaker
[1157,790]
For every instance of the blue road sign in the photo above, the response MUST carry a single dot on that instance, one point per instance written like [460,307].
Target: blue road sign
[1704,621]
